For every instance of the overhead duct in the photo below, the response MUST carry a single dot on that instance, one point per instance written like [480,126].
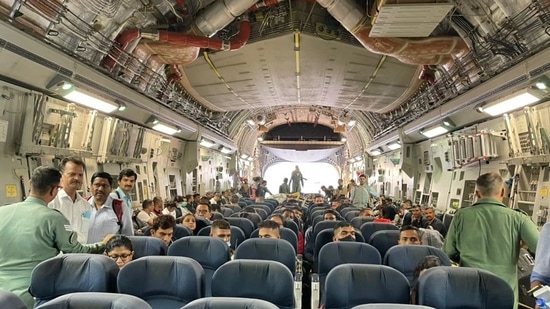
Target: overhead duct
[220,14]
[432,51]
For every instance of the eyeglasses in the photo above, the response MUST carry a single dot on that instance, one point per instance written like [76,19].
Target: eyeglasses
[202,211]
[121,256]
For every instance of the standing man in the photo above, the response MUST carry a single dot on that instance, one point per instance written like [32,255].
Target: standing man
[109,216]
[126,182]
[284,187]
[69,202]
[433,222]
[33,233]
[488,234]
[296,180]
[363,193]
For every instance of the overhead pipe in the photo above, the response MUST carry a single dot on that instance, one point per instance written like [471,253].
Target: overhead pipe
[218,15]
[173,74]
[428,51]
[264,4]
[133,36]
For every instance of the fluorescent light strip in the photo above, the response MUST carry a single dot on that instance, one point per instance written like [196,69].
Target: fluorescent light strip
[206,143]
[376,152]
[165,129]
[90,102]
[435,131]
[226,150]
[515,102]
[394,146]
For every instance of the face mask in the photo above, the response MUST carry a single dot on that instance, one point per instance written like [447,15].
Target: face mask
[183,204]
[347,238]
[228,243]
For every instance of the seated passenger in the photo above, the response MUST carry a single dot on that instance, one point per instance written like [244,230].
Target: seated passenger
[433,222]
[366,212]
[269,229]
[427,262]
[163,228]
[158,205]
[119,248]
[328,215]
[204,211]
[170,209]
[343,231]
[278,219]
[146,216]
[409,235]
[189,221]
[222,230]
[417,219]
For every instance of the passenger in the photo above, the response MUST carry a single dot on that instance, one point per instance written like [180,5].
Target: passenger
[181,209]
[328,215]
[433,222]
[351,188]
[409,235]
[288,215]
[146,216]
[278,219]
[269,229]
[318,200]
[366,212]
[222,230]
[363,193]
[189,221]
[33,233]
[119,249]
[343,231]
[298,212]
[417,219]
[427,262]
[215,199]
[296,180]
[163,228]
[284,187]
[169,209]
[226,197]
[158,206]
[104,211]
[69,202]
[203,211]
[403,216]
[488,234]
[234,201]
[126,181]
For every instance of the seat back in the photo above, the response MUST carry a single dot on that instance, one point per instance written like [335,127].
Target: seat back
[70,273]
[384,240]
[345,210]
[181,231]
[391,306]
[323,225]
[404,258]
[351,214]
[210,252]
[234,208]
[9,300]
[201,223]
[266,280]
[163,281]
[227,211]
[286,234]
[266,208]
[357,222]
[262,213]
[463,287]
[147,245]
[229,303]
[244,224]
[368,228]
[237,235]
[291,225]
[350,285]
[268,249]
[91,300]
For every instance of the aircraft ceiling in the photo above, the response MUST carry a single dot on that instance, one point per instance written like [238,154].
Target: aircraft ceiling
[243,67]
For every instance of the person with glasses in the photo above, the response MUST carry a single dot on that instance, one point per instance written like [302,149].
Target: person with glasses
[119,249]
[204,211]
[33,233]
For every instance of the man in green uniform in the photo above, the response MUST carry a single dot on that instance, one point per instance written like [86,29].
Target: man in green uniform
[487,235]
[32,233]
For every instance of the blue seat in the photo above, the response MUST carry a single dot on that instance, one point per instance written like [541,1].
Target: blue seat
[234,208]
[201,223]
[266,280]
[210,252]
[463,287]
[350,285]
[266,208]
[237,235]
[9,300]
[268,249]
[70,273]
[91,300]
[286,234]
[351,214]
[384,240]
[404,258]
[391,306]
[229,303]
[369,228]
[357,222]
[291,225]
[181,231]
[227,211]
[164,282]
[147,246]
[345,210]
[262,213]
[244,224]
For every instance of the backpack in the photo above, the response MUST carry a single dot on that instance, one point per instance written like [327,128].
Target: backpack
[117,208]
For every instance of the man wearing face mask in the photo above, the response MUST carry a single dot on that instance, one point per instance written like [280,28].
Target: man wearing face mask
[222,230]
[344,231]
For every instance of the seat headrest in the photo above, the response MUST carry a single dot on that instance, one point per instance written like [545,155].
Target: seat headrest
[229,303]
[147,245]
[210,252]
[93,300]
[405,257]
[278,250]
[337,253]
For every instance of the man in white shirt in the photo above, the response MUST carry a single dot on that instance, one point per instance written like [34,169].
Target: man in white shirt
[126,182]
[106,217]
[69,202]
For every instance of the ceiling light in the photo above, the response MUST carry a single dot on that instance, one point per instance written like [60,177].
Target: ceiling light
[90,101]
[121,107]
[512,102]
[165,140]
[358,158]
[394,145]
[206,143]
[376,152]
[541,85]
[344,139]
[250,122]
[435,131]
[244,156]
[226,150]
[260,139]
[157,125]
[250,159]
[351,123]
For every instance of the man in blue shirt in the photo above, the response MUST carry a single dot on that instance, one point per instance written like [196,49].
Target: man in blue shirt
[126,181]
